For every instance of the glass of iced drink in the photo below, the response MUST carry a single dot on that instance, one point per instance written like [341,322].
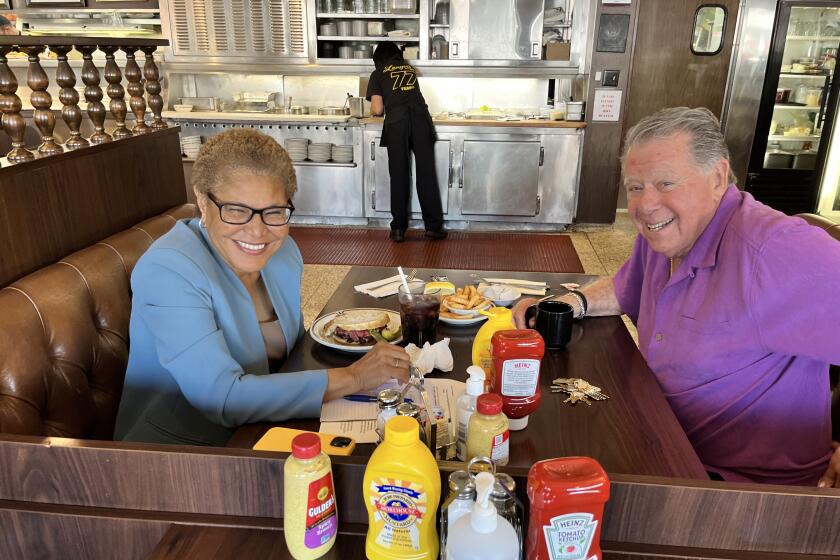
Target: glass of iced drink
[419,311]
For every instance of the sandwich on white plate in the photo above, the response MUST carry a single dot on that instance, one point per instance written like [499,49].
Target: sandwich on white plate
[361,327]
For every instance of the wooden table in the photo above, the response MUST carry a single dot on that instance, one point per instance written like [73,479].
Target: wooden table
[634,432]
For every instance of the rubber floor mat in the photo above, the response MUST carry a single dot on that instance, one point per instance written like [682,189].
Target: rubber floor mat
[524,252]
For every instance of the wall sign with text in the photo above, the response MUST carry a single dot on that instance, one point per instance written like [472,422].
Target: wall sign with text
[606,106]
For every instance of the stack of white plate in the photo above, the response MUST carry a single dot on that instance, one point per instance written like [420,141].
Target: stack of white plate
[190,145]
[320,152]
[298,148]
[342,154]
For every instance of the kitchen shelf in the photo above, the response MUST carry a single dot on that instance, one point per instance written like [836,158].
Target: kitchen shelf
[812,38]
[324,164]
[793,107]
[364,38]
[777,137]
[801,75]
[368,16]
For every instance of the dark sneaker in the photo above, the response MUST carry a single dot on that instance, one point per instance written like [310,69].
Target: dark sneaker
[439,234]
[397,235]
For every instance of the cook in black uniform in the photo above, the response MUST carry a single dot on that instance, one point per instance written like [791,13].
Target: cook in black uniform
[393,88]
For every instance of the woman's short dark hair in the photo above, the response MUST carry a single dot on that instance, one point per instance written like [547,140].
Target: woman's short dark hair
[386,52]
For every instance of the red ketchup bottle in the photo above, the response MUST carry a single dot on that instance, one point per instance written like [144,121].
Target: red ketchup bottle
[517,356]
[567,498]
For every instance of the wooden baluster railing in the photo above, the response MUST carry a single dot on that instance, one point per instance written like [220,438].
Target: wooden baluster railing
[137,102]
[116,92]
[71,113]
[93,95]
[41,100]
[13,123]
[150,72]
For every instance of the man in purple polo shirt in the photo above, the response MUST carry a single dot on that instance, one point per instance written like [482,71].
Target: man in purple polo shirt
[736,306]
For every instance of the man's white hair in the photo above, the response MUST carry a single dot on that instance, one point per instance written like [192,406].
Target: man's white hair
[707,141]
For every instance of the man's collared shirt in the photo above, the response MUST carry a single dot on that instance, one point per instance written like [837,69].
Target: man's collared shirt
[740,338]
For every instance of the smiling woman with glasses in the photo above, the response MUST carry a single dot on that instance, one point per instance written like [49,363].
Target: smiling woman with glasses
[216,309]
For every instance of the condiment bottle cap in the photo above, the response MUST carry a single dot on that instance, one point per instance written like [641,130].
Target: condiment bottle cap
[306,446]
[489,404]
[402,430]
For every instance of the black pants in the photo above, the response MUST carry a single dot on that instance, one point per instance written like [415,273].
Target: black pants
[413,133]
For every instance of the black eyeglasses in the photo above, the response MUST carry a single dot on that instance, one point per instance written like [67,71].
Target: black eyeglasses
[239,214]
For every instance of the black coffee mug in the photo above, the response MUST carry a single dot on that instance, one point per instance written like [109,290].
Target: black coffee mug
[553,321]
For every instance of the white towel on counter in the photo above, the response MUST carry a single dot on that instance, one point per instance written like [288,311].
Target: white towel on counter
[380,288]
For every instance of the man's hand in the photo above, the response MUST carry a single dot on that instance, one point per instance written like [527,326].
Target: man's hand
[831,478]
[519,313]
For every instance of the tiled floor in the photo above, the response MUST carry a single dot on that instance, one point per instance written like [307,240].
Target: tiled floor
[601,251]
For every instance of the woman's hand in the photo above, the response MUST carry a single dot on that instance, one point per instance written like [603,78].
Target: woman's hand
[385,361]
[831,478]
[519,313]
[382,363]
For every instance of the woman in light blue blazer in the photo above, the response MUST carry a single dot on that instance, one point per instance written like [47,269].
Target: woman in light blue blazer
[216,303]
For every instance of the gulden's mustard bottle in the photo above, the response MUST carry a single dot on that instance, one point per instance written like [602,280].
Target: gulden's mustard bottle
[501,319]
[488,434]
[401,492]
[309,509]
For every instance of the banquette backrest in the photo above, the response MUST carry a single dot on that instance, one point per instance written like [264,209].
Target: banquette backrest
[833,229]
[64,337]
[72,227]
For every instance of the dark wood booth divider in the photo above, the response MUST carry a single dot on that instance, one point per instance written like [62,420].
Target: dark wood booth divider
[50,207]
[113,500]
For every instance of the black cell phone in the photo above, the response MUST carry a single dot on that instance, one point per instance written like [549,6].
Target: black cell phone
[341,441]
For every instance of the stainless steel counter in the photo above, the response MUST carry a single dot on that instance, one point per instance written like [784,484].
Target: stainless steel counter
[492,175]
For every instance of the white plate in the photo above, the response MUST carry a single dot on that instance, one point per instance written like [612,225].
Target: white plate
[317,330]
[463,322]
[468,312]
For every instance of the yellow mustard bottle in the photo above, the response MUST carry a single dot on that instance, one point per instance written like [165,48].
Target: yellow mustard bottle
[401,492]
[488,434]
[310,515]
[501,319]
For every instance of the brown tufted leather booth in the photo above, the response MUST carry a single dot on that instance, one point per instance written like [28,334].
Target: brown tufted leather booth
[64,337]
[833,230]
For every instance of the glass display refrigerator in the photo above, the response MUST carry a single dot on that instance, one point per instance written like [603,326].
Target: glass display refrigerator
[798,107]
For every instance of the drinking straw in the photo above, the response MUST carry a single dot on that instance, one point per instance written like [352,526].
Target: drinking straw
[404,281]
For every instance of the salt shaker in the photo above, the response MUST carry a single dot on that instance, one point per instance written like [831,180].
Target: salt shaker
[388,399]
[412,410]
[507,504]
[459,502]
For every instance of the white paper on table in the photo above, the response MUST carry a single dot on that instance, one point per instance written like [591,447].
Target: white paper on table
[380,288]
[442,392]
[361,432]
[536,291]
[341,410]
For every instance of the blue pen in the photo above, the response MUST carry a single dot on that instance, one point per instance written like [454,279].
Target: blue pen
[365,398]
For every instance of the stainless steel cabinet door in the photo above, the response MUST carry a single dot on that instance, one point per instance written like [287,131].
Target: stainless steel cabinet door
[382,197]
[500,178]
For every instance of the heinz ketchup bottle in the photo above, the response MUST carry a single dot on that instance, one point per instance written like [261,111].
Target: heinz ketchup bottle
[517,357]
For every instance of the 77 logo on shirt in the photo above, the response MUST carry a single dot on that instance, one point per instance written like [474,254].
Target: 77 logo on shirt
[404,80]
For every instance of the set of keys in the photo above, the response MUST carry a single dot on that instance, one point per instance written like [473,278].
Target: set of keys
[579,390]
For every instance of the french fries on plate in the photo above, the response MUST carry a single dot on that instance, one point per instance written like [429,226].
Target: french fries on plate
[466,301]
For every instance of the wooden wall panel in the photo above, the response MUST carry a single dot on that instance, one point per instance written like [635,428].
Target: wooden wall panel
[602,140]
[201,486]
[34,534]
[118,184]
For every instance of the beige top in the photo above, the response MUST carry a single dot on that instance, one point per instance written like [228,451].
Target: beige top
[275,341]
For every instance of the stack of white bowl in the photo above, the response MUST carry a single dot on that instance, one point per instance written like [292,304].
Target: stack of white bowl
[298,148]
[320,152]
[342,153]
[190,145]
